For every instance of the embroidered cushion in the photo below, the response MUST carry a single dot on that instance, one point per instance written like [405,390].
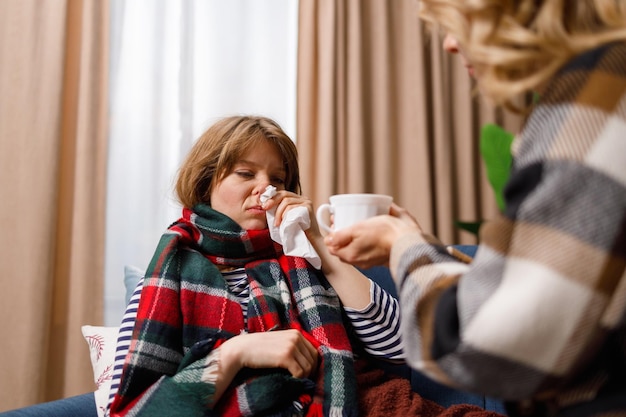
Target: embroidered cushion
[101,341]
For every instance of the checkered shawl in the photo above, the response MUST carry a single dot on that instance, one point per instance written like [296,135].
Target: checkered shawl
[540,314]
[186,311]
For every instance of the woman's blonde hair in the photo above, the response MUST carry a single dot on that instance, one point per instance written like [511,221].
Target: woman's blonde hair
[517,45]
[215,153]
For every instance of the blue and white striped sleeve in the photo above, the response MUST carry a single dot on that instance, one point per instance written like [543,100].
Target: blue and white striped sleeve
[378,325]
[123,341]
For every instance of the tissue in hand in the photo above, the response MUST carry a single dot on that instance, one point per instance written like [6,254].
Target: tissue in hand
[290,233]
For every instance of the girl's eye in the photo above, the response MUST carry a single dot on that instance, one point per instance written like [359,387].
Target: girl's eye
[245,174]
[278,180]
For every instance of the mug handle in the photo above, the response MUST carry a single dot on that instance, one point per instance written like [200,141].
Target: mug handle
[323,213]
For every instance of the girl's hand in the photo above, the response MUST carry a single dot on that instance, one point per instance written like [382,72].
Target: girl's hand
[287,349]
[284,201]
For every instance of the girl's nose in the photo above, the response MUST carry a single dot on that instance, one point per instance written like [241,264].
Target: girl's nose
[260,187]
[450,44]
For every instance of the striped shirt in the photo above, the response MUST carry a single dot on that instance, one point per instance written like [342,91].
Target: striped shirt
[377,325]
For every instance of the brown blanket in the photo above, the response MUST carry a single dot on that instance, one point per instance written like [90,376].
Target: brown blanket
[385,395]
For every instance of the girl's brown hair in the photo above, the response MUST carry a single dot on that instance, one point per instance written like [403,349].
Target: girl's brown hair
[220,147]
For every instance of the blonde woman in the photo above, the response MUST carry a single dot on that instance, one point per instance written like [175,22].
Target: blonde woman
[539,317]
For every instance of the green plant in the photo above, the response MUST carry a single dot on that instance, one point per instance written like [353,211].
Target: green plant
[495,150]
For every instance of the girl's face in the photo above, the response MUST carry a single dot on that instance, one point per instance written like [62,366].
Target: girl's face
[237,195]
[451,45]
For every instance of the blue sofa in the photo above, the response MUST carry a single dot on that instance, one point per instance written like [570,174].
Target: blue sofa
[84,405]
[79,406]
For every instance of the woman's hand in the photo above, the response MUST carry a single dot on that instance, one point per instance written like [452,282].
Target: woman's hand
[368,243]
[287,349]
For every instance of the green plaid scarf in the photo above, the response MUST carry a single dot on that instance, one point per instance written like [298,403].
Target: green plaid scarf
[196,313]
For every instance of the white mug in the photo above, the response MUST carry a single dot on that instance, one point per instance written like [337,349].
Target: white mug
[348,209]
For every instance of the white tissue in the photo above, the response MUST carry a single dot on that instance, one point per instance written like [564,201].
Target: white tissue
[290,233]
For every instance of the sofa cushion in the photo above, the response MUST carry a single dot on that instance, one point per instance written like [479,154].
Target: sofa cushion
[104,342]
[132,275]
[101,341]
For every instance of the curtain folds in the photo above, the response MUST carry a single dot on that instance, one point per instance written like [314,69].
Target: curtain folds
[53,117]
[381,108]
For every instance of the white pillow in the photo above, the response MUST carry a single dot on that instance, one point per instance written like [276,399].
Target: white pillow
[102,341]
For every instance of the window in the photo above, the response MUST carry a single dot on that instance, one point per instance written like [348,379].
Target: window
[176,66]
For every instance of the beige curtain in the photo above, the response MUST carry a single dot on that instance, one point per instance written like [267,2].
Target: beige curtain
[53,88]
[382,108]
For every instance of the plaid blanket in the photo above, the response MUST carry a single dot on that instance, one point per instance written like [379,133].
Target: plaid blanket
[186,311]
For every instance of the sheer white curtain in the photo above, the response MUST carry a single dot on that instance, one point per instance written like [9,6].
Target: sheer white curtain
[176,66]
